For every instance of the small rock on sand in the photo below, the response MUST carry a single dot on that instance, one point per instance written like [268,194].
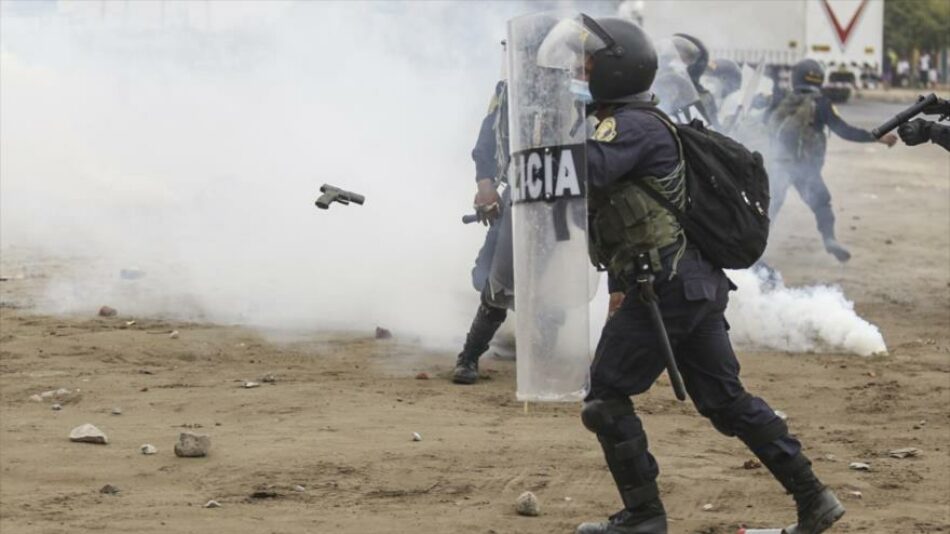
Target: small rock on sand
[56,407]
[299,488]
[382,333]
[422,376]
[528,505]
[148,449]
[117,411]
[174,334]
[192,445]
[88,433]
[212,504]
[416,436]
[906,452]
[107,311]
[859,466]
[109,489]
[248,384]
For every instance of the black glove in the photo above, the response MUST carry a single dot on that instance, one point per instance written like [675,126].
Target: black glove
[915,132]
[941,107]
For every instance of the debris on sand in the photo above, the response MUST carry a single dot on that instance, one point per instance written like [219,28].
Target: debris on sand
[269,379]
[416,436]
[299,489]
[88,433]
[173,335]
[708,507]
[148,449]
[264,494]
[382,333]
[906,452]
[117,411]
[61,396]
[752,464]
[56,407]
[107,311]
[212,504]
[422,376]
[859,466]
[109,489]
[192,445]
[528,505]
[248,384]
[855,494]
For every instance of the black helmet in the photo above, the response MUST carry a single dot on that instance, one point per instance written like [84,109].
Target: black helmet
[693,53]
[626,65]
[807,72]
[728,73]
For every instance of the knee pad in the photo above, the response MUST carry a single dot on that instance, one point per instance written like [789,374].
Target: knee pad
[601,416]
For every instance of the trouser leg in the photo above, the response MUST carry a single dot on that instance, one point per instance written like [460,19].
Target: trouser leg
[634,469]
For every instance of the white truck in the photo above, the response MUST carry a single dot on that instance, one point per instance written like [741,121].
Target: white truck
[844,35]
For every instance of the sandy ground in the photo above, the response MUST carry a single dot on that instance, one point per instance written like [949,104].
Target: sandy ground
[339,418]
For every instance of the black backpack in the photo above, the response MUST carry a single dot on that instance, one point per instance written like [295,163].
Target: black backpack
[727,212]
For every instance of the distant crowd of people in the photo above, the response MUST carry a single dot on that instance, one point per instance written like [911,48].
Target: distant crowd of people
[922,73]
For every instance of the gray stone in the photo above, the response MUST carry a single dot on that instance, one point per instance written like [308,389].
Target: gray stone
[88,434]
[56,407]
[192,445]
[109,489]
[117,411]
[528,505]
[148,449]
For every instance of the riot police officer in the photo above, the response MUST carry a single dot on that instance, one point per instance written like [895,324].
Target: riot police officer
[633,142]
[492,275]
[797,128]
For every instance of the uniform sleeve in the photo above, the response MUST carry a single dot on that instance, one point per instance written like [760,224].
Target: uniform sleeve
[827,114]
[629,145]
[483,154]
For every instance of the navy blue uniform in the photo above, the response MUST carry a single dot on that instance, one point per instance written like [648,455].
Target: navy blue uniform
[628,359]
[494,260]
[806,176]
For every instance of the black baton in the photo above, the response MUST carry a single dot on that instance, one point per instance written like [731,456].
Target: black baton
[648,297]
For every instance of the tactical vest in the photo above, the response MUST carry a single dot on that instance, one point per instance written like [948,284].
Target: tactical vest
[795,137]
[624,221]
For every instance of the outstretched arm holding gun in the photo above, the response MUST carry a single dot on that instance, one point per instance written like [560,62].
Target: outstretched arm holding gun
[917,131]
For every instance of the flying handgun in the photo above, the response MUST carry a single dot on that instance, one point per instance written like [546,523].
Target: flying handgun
[333,194]
[929,105]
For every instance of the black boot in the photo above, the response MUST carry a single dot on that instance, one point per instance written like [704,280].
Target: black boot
[818,508]
[486,323]
[648,518]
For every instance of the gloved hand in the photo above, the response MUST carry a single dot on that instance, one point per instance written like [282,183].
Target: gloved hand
[487,202]
[888,139]
[915,132]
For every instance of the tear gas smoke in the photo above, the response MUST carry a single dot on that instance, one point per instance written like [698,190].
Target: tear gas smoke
[188,140]
[764,313]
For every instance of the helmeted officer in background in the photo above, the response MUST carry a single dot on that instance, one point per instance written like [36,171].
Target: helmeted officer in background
[493,275]
[799,143]
[723,80]
[693,54]
[633,143]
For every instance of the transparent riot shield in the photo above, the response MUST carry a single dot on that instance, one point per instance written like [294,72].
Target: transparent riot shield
[549,206]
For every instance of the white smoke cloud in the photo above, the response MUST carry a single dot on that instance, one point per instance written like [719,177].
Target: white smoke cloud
[766,314]
[188,140]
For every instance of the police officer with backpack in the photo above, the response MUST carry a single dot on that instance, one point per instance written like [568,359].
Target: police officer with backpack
[799,142]
[637,179]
